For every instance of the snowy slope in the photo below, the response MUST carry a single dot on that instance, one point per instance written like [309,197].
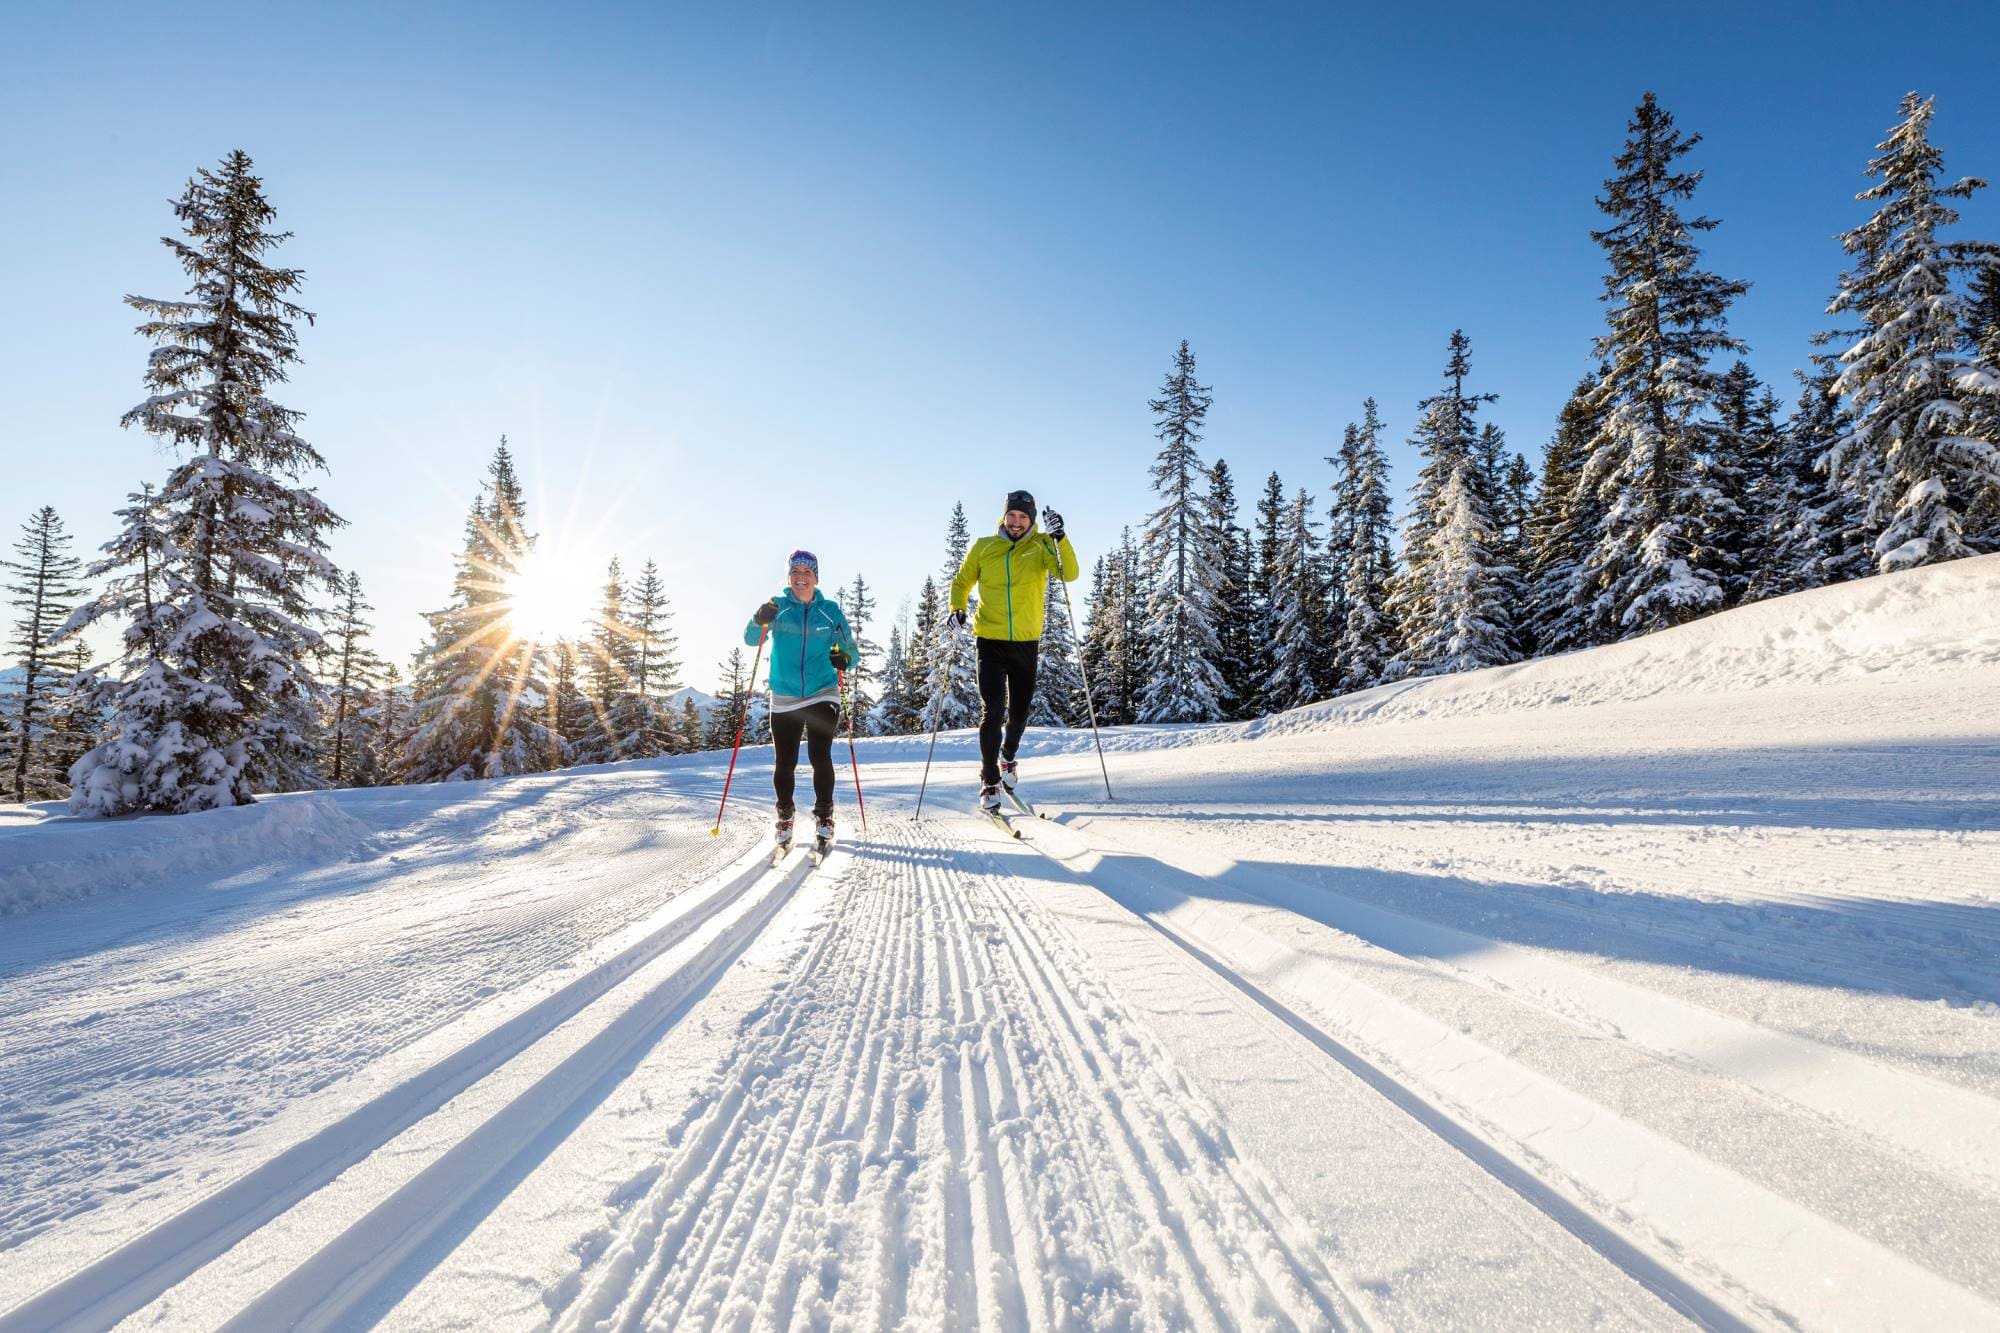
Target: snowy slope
[1648,985]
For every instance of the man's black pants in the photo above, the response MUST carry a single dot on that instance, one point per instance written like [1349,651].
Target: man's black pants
[1006,688]
[817,723]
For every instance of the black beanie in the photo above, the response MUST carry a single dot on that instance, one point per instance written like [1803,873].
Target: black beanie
[1022,501]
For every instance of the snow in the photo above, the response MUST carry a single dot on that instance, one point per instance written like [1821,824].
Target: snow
[1651,984]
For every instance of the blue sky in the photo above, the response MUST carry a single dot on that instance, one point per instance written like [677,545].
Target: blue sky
[735,279]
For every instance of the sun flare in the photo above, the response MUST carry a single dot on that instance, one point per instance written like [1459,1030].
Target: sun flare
[548,598]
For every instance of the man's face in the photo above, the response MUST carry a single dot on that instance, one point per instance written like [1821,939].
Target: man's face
[1017,523]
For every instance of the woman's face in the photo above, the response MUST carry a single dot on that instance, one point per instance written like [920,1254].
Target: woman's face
[803,581]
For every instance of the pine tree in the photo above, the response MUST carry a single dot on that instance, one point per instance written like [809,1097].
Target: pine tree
[1269,546]
[655,671]
[892,714]
[1504,481]
[1181,562]
[1299,626]
[570,728]
[1338,552]
[1742,531]
[392,727]
[689,738]
[1432,604]
[1561,530]
[1367,639]
[1913,461]
[732,702]
[479,703]
[1238,625]
[610,662]
[921,648]
[1058,698]
[858,603]
[1651,460]
[355,672]
[216,696]
[44,581]
[954,679]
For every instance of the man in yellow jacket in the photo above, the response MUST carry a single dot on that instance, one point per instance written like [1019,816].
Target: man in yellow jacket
[1011,569]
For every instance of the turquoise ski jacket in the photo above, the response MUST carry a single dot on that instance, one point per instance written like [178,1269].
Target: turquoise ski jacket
[798,644]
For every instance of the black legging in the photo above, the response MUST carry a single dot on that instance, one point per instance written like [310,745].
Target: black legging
[817,723]
[1006,682]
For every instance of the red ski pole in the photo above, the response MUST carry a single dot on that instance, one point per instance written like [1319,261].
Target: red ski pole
[749,693]
[852,758]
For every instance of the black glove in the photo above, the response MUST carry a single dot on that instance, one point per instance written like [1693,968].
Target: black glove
[957,618]
[766,613]
[1052,523]
[838,656]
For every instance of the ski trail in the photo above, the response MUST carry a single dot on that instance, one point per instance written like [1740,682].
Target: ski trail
[940,1118]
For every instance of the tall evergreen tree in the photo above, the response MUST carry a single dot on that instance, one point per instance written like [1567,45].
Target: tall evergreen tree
[44,580]
[732,702]
[392,727]
[858,603]
[356,673]
[610,666]
[954,680]
[1367,638]
[1181,562]
[1651,565]
[1913,461]
[1741,532]
[1299,626]
[1238,626]
[921,648]
[1338,552]
[216,693]
[477,696]
[688,734]
[1268,550]
[573,729]
[655,670]
[1430,602]
[892,715]
[1561,530]
[1809,538]
[1058,700]
[1090,652]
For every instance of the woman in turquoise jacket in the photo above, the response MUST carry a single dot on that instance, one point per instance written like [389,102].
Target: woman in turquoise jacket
[807,639]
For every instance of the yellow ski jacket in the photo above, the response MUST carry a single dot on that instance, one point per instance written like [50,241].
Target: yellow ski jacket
[1013,580]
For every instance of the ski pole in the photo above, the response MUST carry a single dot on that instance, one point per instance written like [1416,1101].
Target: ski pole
[852,758]
[937,715]
[1089,700]
[749,693]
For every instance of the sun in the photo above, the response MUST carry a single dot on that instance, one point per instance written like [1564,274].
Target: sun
[549,597]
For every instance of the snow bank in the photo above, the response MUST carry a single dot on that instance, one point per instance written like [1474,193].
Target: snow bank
[61,860]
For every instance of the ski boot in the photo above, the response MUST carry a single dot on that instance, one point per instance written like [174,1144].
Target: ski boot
[822,836]
[783,842]
[989,798]
[1007,774]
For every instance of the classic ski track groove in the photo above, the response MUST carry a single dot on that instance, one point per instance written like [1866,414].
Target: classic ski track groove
[130,1276]
[1559,1196]
[932,1008]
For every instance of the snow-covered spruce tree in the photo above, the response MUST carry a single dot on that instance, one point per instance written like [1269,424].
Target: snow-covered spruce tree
[891,714]
[215,699]
[689,732]
[1913,460]
[655,669]
[732,700]
[955,666]
[478,701]
[44,581]
[1651,566]
[1058,698]
[1299,625]
[1090,652]
[392,727]
[1982,335]
[1809,539]
[610,663]
[571,728]
[1335,553]
[355,673]
[1367,639]
[1466,624]
[1238,626]
[1182,647]
[858,603]
[1504,490]
[1454,486]
[1740,469]
[1268,545]
[923,646]
[1561,530]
